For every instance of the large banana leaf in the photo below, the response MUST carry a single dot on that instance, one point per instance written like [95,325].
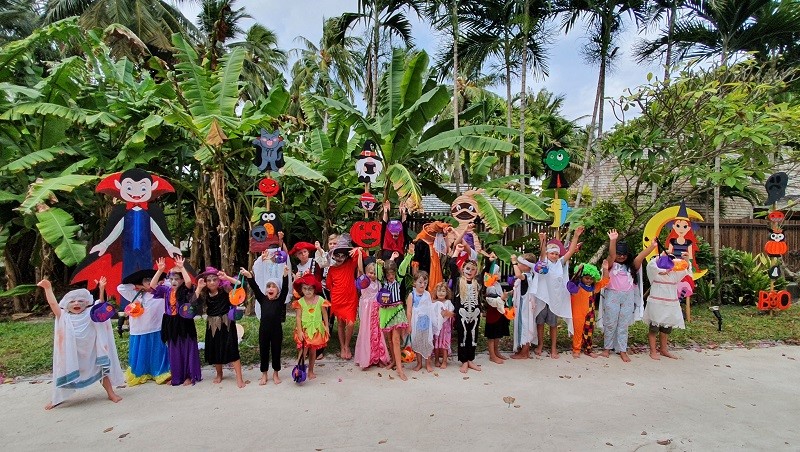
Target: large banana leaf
[491,216]
[195,81]
[34,158]
[276,103]
[58,228]
[226,85]
[299,169]
[530,204]
[42,190]
[412,82]
[404,183]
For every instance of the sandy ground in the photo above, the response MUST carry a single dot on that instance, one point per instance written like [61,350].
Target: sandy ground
[707,400]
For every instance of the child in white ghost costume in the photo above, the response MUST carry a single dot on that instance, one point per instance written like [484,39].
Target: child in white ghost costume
[553,300]
[84,351]
[524,306]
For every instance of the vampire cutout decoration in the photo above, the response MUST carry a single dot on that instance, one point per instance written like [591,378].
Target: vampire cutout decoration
[265,232]
[269,151]
[136,234]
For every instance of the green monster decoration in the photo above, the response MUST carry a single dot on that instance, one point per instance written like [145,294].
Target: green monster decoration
[557,160]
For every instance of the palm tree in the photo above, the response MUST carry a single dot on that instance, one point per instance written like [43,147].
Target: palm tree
[380,16]
[658,11]
[18,19]
[605,21]
[263,61]
[330,66]
[153,21]
[219,22]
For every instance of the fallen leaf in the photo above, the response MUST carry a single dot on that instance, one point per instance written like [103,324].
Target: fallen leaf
[318,450]
[664,442]
[729,406]
[509,400]
[644,433]
[609,444]
[108,429]
[383,441]
[123,435]
[629,383]
[517,406]
[380,374]
[435,374]
[340,380]
[465,378]
[391,377]
[431,415]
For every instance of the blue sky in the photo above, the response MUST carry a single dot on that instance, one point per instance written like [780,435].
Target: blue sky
[569,74]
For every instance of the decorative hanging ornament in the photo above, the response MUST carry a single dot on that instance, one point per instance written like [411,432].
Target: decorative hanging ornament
[269,151]
[776,187]
[366,234]
[557,160]
[269,187]
[368,201]
[369,164]
[264,232]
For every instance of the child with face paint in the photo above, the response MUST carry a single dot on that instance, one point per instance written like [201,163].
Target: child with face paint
[443,327]
[222,342]
[622,297]
[147,354]
[584,299]
[420,309]
[370,343]
[311,331]
[177,331]
[273,314]
[83,351]
[552,298]
[341,283]
[467,302]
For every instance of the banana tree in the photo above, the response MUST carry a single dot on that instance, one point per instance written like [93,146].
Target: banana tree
[404,128]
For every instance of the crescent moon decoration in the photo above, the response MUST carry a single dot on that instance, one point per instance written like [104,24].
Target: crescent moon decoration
[654,226]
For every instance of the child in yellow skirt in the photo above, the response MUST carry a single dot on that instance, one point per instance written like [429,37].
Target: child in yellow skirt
[311,332]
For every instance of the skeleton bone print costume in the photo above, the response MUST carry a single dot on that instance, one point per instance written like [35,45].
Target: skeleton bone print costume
[467,301]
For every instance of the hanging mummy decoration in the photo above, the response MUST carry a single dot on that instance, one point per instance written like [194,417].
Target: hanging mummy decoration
[369,164]
[269,151]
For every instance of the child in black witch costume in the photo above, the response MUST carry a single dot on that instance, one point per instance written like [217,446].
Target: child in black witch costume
[273,314]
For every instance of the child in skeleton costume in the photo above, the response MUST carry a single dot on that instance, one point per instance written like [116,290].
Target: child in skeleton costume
[584,299]
[83,351]
[524,306]
[443,313]
[550,289]
[270,267]
[467,301]
[270,329]
[147,353]
[496,321]
[663,310]
[177,331]
[622,298]
[222,342]
[420,308]
[370,343]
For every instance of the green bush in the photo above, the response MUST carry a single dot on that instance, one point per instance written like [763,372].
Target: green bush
[743,276]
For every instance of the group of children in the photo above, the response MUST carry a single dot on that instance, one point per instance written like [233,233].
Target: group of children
[409,300]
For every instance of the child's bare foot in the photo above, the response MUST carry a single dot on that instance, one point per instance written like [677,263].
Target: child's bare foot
[538,351]
[665,352]
[554,354]
[240,383]
[417,367]
[218,379]
[443,365]
[654,355]
[187,382]
[592,355]
[624,356]
[49,406]
[520,355]
[576,355]
[402,375]
[276,378]
[605,353]
[464,367]
[114,397]
[263,380]
[428,367]
[473,366]
[496,360]
[502,356]
[311,375]
[347,355]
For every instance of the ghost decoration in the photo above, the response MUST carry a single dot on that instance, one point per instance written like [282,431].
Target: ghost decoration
[264,232]
[269,187]
[369,164]
[368,201]
[557,160]
[269,151]
[776,187]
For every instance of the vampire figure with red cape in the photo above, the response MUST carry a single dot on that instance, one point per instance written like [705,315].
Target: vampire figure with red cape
[136,234]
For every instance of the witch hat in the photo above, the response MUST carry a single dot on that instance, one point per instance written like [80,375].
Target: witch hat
[683,213]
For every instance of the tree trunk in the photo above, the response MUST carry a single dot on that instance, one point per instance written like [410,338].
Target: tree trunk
[508,108]
[375,43]
[12,280]
[523,99]
[218,192]
[599,143]
[588,151]
[459,175]
[671,30]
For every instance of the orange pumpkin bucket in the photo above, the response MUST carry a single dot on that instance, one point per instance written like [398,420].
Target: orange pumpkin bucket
[134,309]
[237,295]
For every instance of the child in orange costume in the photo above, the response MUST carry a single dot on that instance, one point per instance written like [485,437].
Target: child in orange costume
[584,299]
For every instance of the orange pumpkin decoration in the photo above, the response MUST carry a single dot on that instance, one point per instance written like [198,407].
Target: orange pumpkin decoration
[775,249]
[407,355]
[776,216]
[366,234]
[268,187]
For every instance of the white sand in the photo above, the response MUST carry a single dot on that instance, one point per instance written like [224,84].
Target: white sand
[708,400]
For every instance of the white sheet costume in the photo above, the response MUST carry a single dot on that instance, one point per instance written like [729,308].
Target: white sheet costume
[83,351]
[551,289]
[663,307]
[525,313]
[422,323]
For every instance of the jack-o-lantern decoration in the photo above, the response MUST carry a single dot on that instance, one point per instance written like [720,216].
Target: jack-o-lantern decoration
[407,355]
[776,246]
[776,216]
[269,187]
[366,234]
[368,201]
[770,300]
